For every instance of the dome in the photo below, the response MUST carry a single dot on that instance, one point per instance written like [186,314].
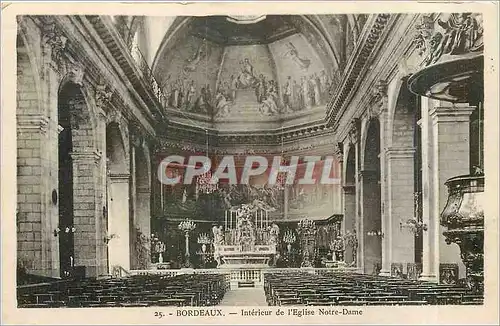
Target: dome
[249,72]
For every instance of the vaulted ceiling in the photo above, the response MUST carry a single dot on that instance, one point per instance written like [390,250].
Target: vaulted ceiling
[193,56]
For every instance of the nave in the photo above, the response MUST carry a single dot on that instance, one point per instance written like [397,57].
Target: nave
[391,204]
[297,288]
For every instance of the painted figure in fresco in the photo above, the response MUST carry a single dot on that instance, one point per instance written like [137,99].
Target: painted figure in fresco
[201,105]
[261,88]
[325,83]
[190,95]
[287,94]
[269,106]
[292,51]
[200,54]
[233,86]
[221,104]
[306,96]
[247,77]
[296,96]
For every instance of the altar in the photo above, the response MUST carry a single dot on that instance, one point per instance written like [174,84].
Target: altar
[248,240]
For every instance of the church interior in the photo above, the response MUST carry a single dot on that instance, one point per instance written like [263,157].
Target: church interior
[392,104]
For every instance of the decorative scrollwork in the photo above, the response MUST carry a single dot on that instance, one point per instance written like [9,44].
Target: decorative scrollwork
[53,43]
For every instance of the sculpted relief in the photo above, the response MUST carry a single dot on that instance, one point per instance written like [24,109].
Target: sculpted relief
[460,33]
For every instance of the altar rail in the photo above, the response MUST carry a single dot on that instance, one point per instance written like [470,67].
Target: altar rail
[235,276]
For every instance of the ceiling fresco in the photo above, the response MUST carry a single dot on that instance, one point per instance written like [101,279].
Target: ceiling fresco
[249,68]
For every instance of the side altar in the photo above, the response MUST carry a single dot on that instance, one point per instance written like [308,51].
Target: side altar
[248,240]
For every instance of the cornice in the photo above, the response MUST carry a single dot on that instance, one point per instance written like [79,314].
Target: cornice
[358,60]
[387,62]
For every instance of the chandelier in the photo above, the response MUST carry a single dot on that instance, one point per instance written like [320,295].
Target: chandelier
[289,237]
[415,224]
[207,183]
[204,238]
[280,181]
[187,225]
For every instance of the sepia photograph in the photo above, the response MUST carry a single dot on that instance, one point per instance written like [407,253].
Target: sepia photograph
[211,162]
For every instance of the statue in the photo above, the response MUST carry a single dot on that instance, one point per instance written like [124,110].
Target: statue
[337,247]
[218,241]
[245,235]
[274,232]
[351,240]
[218,235]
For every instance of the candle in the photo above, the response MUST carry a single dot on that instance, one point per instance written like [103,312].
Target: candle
[71,261]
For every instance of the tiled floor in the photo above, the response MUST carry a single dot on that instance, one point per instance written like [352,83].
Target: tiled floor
[244,297]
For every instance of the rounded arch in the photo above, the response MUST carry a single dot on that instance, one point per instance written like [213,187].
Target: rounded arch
[371,159]
[117,158]
[350,169]
[28,66]
[403,114]
[179,25]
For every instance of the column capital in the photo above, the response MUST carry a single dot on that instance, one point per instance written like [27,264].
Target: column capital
[355,131]
[103,94]
[86,156]
[339,151]
[400,152]
[34,122]
[452,114]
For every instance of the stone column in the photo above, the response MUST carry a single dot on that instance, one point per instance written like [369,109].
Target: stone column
[429,248]
[349,216]
[86,197]
[134,259]
[118,221]
[354,135]
[450,128]
[379,110]
[400,203]
[143,198]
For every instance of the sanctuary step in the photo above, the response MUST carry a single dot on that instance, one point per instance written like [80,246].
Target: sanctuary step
[246,284]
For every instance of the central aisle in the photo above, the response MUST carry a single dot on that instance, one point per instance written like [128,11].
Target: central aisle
[244,297]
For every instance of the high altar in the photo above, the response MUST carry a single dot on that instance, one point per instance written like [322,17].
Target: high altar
[248,239]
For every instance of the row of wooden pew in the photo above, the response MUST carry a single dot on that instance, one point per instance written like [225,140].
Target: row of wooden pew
[133,291]
[336,288]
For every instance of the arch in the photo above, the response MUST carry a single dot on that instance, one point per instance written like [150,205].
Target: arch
[77,178]
[403,115]
[27,67]
[371,200]
[115,150]
[350,171]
